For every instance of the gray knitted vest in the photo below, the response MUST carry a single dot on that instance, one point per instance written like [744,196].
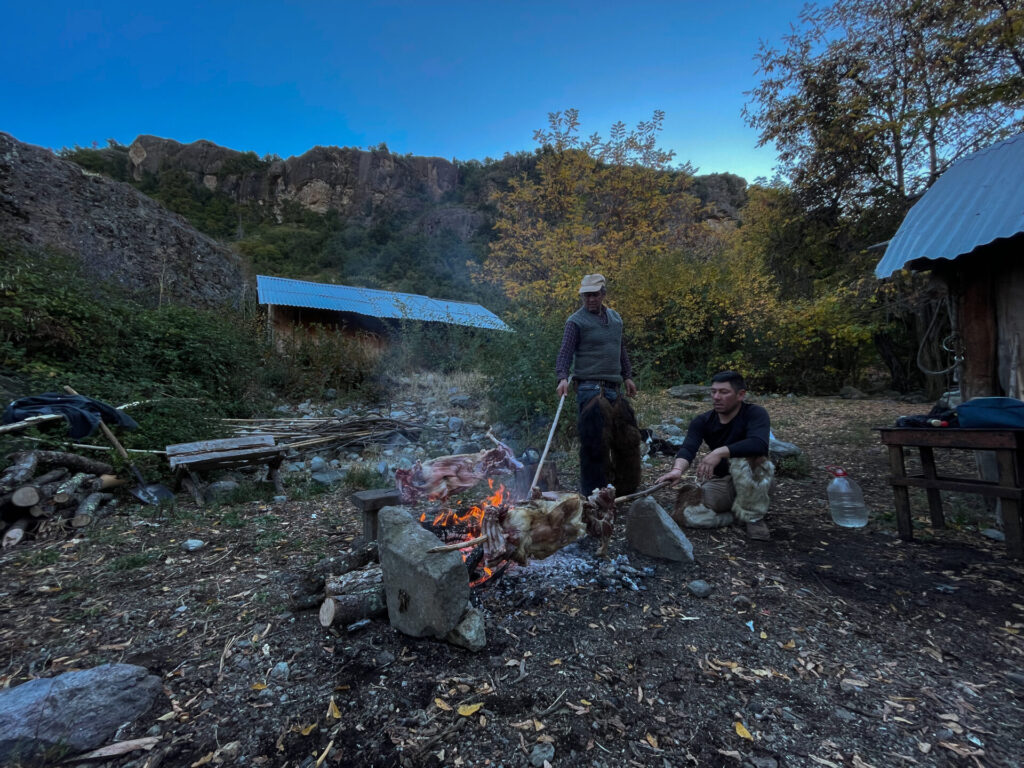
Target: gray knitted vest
[598,354]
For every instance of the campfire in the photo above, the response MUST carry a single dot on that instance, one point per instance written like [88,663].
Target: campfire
[511,530]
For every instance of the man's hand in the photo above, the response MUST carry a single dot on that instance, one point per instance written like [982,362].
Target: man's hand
[563,387]
[675,473]
[706,468]
[630,388]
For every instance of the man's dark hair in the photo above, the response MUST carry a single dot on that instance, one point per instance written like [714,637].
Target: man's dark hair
[731,378]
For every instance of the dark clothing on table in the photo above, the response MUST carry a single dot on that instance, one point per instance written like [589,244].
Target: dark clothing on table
[571,342]
[746,435]
[83,414]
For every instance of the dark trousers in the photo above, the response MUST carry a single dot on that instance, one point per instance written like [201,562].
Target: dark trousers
[609,439]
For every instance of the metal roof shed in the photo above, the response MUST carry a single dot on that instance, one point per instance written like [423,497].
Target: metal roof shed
[968,228]
[325,300]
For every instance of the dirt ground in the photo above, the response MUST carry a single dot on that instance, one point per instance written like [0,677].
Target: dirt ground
[822,647]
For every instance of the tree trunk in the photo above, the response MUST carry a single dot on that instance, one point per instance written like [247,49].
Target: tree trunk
[82,519]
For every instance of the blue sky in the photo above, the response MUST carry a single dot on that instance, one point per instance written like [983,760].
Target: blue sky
[449,79]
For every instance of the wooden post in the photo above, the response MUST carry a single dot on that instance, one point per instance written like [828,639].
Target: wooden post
[370,503]
[934,497]
[901,493]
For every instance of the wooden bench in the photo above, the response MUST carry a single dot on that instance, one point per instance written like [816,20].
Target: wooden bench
[1008,445]
[189,459]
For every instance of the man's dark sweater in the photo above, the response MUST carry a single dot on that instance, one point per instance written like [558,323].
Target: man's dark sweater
[746,435]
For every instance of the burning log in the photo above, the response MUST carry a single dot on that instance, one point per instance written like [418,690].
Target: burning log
[439,478]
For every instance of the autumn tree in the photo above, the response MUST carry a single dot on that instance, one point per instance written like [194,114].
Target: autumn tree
[874,99]
[615,206]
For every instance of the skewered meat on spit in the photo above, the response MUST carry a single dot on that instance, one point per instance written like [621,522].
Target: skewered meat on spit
[439,478]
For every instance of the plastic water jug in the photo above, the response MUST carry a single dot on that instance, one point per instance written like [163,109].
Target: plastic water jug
[845,500]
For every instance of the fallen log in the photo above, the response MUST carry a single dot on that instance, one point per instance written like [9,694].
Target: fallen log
[74,462]
[20,471]
[15,532]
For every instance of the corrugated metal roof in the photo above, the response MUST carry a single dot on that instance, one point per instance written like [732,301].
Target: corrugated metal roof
[373,303]
[980,199]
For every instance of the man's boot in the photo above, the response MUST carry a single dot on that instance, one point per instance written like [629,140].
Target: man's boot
[758,530]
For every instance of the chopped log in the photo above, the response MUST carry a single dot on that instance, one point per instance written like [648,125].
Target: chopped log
[45,509]
[105,482]
[26,496]
[51,477]
[15,533]
[346,609]
[90,503]
[20,471]
[345,562]
[73,462]
[81,520]
[355,581]
[65,492]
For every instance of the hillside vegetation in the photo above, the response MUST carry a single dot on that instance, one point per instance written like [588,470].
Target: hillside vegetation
[772,278]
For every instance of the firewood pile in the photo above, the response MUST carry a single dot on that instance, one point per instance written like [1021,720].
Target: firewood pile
[303,433]
[49,491]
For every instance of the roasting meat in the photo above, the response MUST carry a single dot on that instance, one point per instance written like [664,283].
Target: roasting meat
[438,478]
[536,529]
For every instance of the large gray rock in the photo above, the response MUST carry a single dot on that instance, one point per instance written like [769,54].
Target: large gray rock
[73,712]
[650,531]
[690,391]
[426,593]
[780,449]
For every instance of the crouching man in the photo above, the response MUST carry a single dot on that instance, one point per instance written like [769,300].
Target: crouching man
[735,475]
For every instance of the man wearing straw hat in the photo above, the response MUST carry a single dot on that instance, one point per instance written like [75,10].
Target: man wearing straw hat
[594,347]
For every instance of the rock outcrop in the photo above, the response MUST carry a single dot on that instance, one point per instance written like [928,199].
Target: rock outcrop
[357,183]
[119,234]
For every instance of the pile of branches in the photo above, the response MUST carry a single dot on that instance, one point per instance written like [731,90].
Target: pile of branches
[42,491]
[302,433]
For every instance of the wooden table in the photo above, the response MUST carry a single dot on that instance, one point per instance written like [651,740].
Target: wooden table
[1008,445]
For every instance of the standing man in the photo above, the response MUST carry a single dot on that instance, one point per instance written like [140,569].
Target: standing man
[736,474]
[593,345]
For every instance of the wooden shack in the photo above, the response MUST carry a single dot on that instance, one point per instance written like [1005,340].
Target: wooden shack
[968,229]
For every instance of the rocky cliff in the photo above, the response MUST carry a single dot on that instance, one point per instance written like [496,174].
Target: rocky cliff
[120,234]
[358,184]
